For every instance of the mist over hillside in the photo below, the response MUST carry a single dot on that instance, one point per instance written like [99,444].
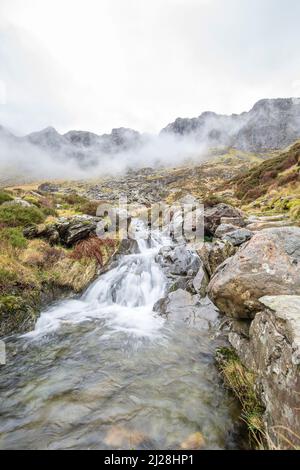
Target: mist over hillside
[269,125]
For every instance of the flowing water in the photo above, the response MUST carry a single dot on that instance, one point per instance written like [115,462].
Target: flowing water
[105,372]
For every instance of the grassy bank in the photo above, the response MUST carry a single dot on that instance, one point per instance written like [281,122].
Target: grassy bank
[34,272]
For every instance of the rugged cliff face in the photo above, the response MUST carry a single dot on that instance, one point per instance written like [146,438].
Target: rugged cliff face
[270,124]
[272,350]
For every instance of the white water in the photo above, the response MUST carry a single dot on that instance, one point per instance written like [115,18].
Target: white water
[124,296]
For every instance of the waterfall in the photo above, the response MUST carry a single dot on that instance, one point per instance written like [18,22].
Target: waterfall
[123,296]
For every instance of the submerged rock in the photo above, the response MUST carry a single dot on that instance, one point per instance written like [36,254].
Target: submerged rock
[269,264]
[193,442]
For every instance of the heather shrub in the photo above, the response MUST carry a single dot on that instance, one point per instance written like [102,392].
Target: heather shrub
[16,215]
[5,197]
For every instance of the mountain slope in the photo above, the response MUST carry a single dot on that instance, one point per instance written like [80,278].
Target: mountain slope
[270,124]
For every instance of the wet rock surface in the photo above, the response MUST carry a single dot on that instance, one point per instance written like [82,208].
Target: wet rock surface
[182,306]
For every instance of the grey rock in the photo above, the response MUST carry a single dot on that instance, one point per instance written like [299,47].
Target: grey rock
[214,254]
[182,306]
[214,215]
[17,201]
[75,230]
[238,237]
[269,264]
[200,282]
[272,351]
[223,229]
[179,260]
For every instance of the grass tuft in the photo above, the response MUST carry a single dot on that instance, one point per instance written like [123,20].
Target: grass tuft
[242,382]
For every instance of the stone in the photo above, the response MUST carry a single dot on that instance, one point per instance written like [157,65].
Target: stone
[262,225]
[238,237]
[269,264]
[182,306]
[236,221]
[214,254]
[223,229]
[214,215]
[71,231]
[200,282]
[49,232]
[272,351]
[179,260]
[19,201]
[193,442]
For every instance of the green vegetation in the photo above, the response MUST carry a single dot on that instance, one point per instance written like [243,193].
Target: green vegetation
[14,237]
[5,197]
[275,172]
[242,383]
[16,215]
[32,270]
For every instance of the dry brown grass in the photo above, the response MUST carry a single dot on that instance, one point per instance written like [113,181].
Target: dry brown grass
[93,248]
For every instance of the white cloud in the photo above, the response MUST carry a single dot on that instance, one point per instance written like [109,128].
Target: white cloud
[98,64]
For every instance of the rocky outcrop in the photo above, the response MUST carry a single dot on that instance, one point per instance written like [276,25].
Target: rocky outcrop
[214,215]
[272,350]
[266,265]
[67,231]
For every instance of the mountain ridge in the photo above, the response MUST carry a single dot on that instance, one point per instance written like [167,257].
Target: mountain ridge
[271,124]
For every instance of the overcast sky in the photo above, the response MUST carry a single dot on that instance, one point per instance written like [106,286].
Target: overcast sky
[99,64]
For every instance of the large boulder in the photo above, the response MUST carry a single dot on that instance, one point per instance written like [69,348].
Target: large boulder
[269,264]
[214,216]
[272,351]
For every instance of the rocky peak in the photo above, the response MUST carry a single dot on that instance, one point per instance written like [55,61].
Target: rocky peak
[47,138]
[270,124]
[82,138]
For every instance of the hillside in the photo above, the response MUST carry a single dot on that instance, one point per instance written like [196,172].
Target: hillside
[272,185]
